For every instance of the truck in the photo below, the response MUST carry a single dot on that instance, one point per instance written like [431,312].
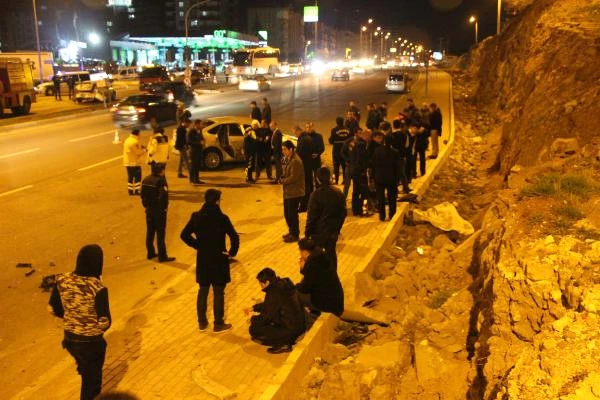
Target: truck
[32,57]
[16,86]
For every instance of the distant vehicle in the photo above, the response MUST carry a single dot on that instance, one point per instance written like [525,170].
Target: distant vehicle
[397,82]
[176,91]
[124,73]
[257,83]
[224,140]
[340,74]
[100,90]
[136,111]
[178,75]
[16,86]
[47,88]
[259,60]
[151,75]
[32,57]
[359,70]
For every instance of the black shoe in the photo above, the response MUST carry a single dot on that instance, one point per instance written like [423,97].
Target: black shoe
[182,176]
[250,181]
[291,239]
[286,348]
[202,326]
[286,235]
[166,259]
[222,328]
[151,256]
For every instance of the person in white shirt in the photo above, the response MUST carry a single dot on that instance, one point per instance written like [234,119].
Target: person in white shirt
[158,148]
[133,152]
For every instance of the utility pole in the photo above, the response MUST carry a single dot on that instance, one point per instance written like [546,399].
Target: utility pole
[37,41]
[498,17]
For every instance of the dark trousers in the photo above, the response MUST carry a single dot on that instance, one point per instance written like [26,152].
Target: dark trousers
[218,304]
[277,159]
[271,335]
[196,156]
[392,197]
[347,181]
[57,95]
[328,243]
[250,165]
[90,359]
[184,161]
[316,164]
[420,153]
[263,160]
[411,167]
[402,170]
[156,223]
[290,212]
[337,163]
[308,185]
[134,180]
[359,193]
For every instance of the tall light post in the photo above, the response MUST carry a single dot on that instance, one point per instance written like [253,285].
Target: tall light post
[186,16]
[362,51]
[473,20]
[37,42]
[308,42]
[498,17]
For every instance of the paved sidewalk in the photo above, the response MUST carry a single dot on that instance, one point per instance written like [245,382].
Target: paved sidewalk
[166,357]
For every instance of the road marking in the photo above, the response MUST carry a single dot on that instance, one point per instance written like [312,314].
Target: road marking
[16,190]
[100,163]
[79,139]
[18,153]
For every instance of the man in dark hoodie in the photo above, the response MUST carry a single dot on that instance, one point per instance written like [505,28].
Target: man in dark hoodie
[81,300]
[339,135]
[205,232]
[281,318]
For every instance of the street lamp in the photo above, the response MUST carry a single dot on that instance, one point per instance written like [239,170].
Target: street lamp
[306,49]
[362,29]
[498,17]
[472,20]
[37,41]
[94,38]
[186,15]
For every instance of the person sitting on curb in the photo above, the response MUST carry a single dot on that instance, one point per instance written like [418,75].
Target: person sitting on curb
[281,318]
[320,289]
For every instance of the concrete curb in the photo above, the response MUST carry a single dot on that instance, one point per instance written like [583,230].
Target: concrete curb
[284,384]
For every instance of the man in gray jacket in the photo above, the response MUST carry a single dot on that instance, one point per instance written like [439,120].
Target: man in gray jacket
[293,190]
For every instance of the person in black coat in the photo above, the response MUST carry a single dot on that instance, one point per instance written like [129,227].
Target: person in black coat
[263,149]
[205,232]
[359,163]
[182,146]
[326,215]
[385,173]
[250,146]
[435,124]
[339,134]
[266,110]
[305,151]
[276,149]
[399,142]
[320,288]
[318,147]
[196,144]
[281,318]
[255,111]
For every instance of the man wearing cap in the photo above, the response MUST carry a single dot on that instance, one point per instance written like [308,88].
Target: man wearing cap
[205,232]
[133,152]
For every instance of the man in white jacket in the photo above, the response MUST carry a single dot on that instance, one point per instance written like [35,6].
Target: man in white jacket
[133,152]
[158,148]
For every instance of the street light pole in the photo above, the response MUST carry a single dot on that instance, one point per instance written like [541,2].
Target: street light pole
[498,17]
[186,15]
[306,49]
[37,41]
[474,20]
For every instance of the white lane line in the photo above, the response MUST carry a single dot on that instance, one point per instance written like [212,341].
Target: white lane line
[18,153]
[100,163]
[79,139]
[16,190]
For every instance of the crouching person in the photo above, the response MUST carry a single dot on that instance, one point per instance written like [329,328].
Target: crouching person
[281,318]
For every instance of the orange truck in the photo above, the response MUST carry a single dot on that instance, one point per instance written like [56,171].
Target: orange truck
[16,86]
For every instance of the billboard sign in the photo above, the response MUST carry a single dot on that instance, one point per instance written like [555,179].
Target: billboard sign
[311,14]
[119,3]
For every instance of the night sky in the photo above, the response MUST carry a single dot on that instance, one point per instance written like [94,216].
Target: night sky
[422,21]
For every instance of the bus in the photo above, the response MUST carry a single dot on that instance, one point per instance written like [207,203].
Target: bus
[258,60]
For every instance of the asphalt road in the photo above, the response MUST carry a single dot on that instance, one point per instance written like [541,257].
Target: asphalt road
[62,185]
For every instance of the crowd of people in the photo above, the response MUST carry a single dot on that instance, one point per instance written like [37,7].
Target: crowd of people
[375,160]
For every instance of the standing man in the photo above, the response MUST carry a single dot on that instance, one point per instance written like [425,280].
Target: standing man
[385,173]
[276,143]
[263,150]
[56,85]
[196,144]
[250,149]
[399,142]
[133,152]
[326,215]
[71,85]
[158,148]
[182,146]
[318,148]
[354,110]
[339,134]
[305,152]
[435,122]
[293,191]
[81,300]
[205,232]
[255,111]
[155,199]
[266,110]
[358,171]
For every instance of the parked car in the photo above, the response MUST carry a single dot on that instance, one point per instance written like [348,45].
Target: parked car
[397,82]
[151,75]
[124,73]
[256,83]
[136,111]
[176,91]
[224,140]
[178,75]
[95,91]
[342,74]
[47,88]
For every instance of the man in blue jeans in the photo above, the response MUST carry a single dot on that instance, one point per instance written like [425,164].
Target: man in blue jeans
[205,232]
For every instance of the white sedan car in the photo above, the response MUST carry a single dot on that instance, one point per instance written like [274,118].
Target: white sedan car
[256,83]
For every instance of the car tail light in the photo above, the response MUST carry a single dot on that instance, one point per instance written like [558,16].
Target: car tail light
[140,110]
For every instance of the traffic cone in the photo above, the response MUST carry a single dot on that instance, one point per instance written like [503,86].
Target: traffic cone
[116,139]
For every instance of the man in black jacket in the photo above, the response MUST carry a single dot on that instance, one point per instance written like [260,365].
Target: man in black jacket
[281,317]
[205,232]
[196,143]
[339,134]
[155,199]
[400,142]
[276,149]
[305,152]
[318,148]
[266,110]
[359,163]
[263,149]
[385,173]
[81,300]
[255,111]
[435,122]
[326,215]
[182,146]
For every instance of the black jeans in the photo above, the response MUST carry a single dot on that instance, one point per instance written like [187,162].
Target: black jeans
[337,163]
[420,152]
[290,212]
[403,172]
[263,160]
[328,242]
[271,335]
[250,165]
[134,179]
[392,197]
[156,223]
[90,359]
[308,184]
[359,192]
[196,163]
[278,167]
[218,304]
